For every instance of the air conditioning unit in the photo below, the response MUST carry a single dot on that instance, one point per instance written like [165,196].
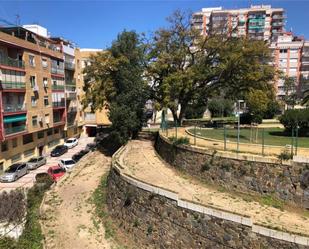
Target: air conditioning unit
[45,83]
[35,88]
[40,119]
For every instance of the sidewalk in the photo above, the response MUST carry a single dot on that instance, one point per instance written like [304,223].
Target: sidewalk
[141,161]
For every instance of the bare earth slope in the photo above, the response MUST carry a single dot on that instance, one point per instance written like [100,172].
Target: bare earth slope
[69,220]
[141,161]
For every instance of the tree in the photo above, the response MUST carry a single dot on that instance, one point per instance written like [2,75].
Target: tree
[185,67]
[257,102]
[220,107]
[290,95]
[115,79]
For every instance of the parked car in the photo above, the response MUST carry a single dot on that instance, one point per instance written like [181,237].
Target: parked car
[14,172]
[59,150]
[36,162]
[56,172]
[91,146]
[67,163]
[77,156]
[71,142]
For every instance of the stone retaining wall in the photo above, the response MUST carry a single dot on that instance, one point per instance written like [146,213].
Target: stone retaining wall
[246,174]
[157,218]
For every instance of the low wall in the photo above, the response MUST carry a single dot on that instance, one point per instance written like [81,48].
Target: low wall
[246,174]
[157,218]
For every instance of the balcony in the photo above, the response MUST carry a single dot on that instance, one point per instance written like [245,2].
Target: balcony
[7,61]
[69,65]
[277,24]
[72,109]
[57,70]
[277,17]
[60,104]
[16,129]
[9,108]
[58,87]
[5,85]
[71,95]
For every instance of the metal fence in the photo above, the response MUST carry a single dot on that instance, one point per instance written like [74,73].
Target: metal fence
[252,140]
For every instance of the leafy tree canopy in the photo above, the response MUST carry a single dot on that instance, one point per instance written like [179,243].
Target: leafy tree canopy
[185,66]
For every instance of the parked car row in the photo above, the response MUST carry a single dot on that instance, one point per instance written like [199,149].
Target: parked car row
[17,170]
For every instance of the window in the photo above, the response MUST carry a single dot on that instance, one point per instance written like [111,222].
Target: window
[14,142]
[27,139]
[16,158]
[47,119]
[29,153]
[40,134]
[32,81]
[33,101]
[44,63]
[46,103]
[31,60]
[283,51]
[45,82]
[49,132]
[4,146]
[34,121]
[56,130]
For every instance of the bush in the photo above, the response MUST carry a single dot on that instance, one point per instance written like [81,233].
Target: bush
[273,109]
[248,118]
[179,141]
[12,206]
[220,107]
[293,118]
[195,111]
[44,180]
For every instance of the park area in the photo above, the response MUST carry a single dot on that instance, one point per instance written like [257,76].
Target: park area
[272,136]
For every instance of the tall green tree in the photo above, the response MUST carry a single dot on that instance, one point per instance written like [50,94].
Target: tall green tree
[185,66]
[115,79]
[290,94]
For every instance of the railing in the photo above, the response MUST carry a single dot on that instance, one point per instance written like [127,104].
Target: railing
[71,95]
[12,62]
[13,85]
[69,65]
[277,23]
[16,129]
[70,88]
[72,109]
[58,120]
[14,107]
[59,104]
[277,17]
[57,70]
[57,87]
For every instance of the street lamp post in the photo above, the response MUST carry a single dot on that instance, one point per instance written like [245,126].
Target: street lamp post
[238,125]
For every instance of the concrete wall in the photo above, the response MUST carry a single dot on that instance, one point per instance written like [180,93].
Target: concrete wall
[157,218]
[249,174]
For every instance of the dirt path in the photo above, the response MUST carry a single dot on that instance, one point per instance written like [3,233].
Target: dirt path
[69,214]
[141,161]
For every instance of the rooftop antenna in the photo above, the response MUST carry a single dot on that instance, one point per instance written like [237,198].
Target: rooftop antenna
[17,20]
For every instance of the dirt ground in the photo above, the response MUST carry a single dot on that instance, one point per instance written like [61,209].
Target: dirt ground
[141,161]
[69,220]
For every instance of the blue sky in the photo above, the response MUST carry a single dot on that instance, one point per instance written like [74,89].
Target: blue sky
[95,24]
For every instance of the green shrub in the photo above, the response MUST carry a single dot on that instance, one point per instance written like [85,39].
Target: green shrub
[285,155]
[205,166]
[220,107]
[293,118]
[179,141]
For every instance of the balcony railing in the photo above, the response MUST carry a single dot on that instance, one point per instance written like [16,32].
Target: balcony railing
[13,85]
[58,120]
[12,62]
[57,87]
[59,104]
[16,129]
[71,95]
[70,88]
[69,65]
[14,107]
[57,70]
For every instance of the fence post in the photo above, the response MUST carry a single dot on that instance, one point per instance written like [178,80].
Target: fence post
[195,133]
[263,141]
[224,137]
[292,143]
[296,142]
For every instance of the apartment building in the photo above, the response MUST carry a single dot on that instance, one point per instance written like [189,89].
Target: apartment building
[91,120]
[74,125]
[259,22]
[32,100]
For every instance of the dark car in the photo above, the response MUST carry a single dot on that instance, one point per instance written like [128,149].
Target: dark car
[59,150]
[77,156]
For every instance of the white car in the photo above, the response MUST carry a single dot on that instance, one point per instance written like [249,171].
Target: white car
[71,142]
[67,163]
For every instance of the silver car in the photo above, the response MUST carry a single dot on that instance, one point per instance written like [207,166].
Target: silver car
[36,162]
[14,172]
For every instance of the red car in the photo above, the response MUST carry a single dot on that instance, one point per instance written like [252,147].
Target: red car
[56,172]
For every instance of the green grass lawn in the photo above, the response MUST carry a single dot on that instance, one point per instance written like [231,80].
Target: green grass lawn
[272,136]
